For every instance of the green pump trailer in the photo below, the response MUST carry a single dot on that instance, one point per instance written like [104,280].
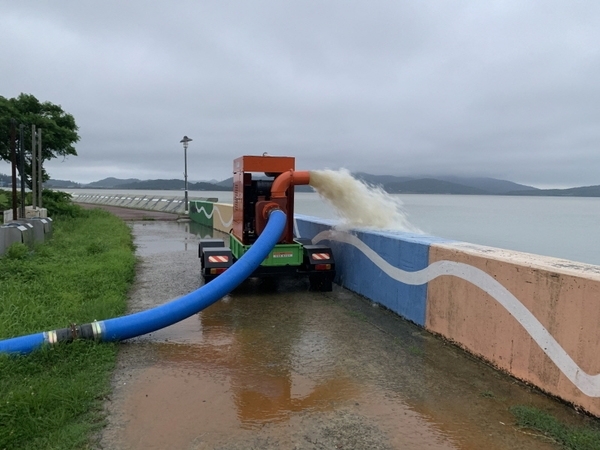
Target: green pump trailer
[253,200]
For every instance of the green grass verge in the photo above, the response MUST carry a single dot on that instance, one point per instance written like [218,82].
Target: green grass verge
[570,437]
[52,398]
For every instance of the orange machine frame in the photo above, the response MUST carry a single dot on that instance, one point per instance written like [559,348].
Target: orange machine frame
[271,166]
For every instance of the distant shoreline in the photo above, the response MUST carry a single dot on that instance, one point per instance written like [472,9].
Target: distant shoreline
[434,185]
[585,191]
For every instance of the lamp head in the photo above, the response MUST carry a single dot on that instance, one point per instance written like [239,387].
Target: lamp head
[185,141]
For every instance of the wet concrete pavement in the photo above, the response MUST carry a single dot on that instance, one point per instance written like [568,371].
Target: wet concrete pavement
[278,367]
[132,214]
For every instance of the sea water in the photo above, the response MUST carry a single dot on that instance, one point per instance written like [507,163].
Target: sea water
[563,227]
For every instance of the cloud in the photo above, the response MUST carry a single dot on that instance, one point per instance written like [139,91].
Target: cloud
[505,89]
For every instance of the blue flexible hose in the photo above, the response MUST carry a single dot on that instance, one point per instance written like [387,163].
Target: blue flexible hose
[126,327]
[22,344]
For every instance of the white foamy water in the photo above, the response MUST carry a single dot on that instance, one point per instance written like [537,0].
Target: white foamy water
[358,204]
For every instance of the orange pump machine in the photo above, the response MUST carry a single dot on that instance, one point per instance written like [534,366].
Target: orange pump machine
[254,198]
[261,184]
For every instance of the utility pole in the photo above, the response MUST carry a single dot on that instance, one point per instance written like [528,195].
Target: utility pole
[33,168]
[13,160]
[40,187]
[22,169]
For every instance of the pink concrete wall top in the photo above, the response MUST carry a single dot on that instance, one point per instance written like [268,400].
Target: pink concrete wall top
[535,317]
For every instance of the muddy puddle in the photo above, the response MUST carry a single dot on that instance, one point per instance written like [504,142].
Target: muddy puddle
[278,367]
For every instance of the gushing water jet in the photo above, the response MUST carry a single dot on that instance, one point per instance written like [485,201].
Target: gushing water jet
[358,204]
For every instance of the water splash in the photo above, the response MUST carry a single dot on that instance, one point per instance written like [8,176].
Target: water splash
[358,204]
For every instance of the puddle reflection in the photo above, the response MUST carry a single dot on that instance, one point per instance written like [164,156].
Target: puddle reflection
[258,359]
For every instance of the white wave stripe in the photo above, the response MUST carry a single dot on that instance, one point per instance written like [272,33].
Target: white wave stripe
[209,216]
[586,383]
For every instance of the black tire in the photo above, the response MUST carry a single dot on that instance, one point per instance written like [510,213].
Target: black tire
[208,278]
[320,283]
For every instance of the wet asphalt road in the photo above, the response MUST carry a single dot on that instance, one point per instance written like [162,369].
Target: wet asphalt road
[278,367]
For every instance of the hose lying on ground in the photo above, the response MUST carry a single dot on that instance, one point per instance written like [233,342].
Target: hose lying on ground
[126,327]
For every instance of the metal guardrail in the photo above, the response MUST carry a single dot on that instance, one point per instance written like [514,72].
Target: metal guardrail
[168,204]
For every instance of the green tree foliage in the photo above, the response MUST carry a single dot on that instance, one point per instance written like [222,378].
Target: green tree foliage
[59,130]
[59,204]
[4,201]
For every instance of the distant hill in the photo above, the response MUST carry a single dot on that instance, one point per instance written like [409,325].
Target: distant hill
[111,182]
[454,185]
[134,183]
[489,185]
[204,186]
[5,180]
[584,191]
[431,186]
[380,179]
[390,183]
[228,183]
[62,184]
[172,184]
[419,185]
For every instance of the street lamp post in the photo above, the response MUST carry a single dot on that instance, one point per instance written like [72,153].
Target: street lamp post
[185,141]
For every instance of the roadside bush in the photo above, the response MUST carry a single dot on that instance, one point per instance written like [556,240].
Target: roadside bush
[17,251]
[4,203]
[59,204]
[4,200]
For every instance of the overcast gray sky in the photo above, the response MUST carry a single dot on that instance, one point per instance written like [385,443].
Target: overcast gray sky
[508,89]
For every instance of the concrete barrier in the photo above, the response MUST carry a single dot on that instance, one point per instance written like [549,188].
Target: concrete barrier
[216,215]
[27,231]
[3,239]
[7,215]
[202,212]
[223,217]
[30,212]
[14,232]
[37,231]
[534,317]
[42,228]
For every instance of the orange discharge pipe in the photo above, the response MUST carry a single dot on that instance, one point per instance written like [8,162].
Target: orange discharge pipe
[283,182]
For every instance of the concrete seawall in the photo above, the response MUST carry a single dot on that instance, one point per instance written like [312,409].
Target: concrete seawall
[532,316]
